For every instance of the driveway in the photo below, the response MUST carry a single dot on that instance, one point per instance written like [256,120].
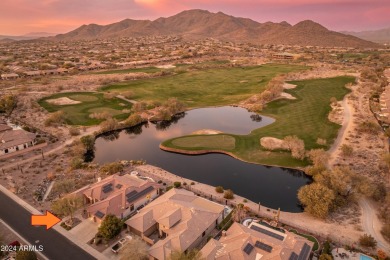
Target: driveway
[85,231]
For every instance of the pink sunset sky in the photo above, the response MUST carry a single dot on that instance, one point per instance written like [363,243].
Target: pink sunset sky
[18,17]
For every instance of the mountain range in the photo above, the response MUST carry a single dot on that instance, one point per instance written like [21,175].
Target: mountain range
[199,24]
[28,36]
[379,36]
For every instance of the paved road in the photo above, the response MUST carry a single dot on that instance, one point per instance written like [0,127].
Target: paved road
[55,246]
[370,224]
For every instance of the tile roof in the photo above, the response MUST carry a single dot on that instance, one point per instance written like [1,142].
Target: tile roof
[243,243]
[181,214]
[13,138]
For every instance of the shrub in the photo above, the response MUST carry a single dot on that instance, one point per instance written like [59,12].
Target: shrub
[192,183]
[346,150]
[219,189]
[367,241]
[110,227]
[177,184]
[111,168]
[168,188]
[228,194]
[73,131]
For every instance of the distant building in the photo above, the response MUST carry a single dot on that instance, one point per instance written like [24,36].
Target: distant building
[118,195]
[177,221]
[257,242]
[14,140]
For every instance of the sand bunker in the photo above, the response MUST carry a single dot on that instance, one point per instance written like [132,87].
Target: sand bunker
[287,96]
[206,132]
[289,86]
[272,143]
[169,66]
[62,101]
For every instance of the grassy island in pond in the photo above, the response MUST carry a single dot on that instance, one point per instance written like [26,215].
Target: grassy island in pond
[305,117]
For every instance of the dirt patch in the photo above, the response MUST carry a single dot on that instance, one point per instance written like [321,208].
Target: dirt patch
[206,132]
[272,143]
[62,101]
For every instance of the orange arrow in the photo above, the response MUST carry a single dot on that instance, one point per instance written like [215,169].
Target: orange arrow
[47,220]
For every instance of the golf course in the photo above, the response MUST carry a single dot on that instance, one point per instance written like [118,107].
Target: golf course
[306,117]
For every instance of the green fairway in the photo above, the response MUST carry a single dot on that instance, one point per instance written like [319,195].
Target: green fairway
[205,87]
[220,141]
[197,85]
[132,70]
[78,114]
[306,117]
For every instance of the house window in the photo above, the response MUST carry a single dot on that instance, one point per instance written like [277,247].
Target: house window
[17,148]
[204,233]
[132,207]
[6,151]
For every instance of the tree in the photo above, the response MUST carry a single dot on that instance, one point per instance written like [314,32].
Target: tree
[296,146]
[8,103]
[111,226]
[67,206]
[56,118]
[317,199]
[134,249]
[318,157]
[193,254]
[26,255]
[239,213]
[89,142]
[367,241]
[108,125]
[133,120]
[228,194]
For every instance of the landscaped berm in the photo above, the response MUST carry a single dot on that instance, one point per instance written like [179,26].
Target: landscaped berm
[306,117]
[80,107]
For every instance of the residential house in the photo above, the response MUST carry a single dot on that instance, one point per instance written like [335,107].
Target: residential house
[177,221]
[258,241]
[14,140]
[120,195]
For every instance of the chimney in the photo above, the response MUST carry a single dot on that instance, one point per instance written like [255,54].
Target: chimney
[99,179]
[224,233]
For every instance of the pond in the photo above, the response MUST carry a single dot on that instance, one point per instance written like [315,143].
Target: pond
[271,186]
